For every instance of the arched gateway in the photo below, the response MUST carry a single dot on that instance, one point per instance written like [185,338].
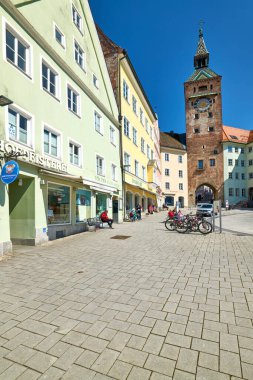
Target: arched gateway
[205,193]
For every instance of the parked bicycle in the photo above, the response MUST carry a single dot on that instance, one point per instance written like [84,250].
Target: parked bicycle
[189,223]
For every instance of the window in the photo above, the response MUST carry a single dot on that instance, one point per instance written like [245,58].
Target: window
[73,101]
[142,145]
[18,51]
[230,162]
[236,175]
[98,123]
[230,191]
[167,185]
[210,129]
[233,137]
[79,55]
[152,154]
[242,150]
[50,80]
[58,204]
[180,173]
[202,88]
[126,127]
[196,116]
[51,143]
[242,176]
[134,136]
[212,162]
[59,36]
[167,172]
[136,168]
[166,156]
[134,104]
[146,124]
[236,149]
[250,175]
[215,151]
[83,205]
[151,132]
[210,114]
[180,159]
[230,149]
[125,91]
[148,151]
[19,126]
[236,162]
[113,172]
[200,164]
[112,136]
[250,149]
[242,162]
[95,81]
[250,162]
[74,154]
[77,20]
[237,192]
[180,186]
[100,165]
[230,175]
[141,116]
[143,173]
[127,163]
[243,192]
[196,130]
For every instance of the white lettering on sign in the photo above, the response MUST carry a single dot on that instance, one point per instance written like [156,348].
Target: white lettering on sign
[32,157]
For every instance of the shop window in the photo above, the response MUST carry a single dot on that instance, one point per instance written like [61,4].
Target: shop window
[101,203]
[58,204]
[83,205]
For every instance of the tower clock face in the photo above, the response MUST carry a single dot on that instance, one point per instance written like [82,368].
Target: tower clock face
[202,104]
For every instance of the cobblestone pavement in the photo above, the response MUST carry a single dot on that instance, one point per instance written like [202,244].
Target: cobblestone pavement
[158,305]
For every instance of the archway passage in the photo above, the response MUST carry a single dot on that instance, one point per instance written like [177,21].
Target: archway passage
[205,194]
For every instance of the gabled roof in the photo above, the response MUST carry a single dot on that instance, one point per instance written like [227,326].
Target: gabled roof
[203,73]
[167,141]
[236,135]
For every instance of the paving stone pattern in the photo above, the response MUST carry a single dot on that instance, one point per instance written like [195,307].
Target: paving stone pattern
[159,305]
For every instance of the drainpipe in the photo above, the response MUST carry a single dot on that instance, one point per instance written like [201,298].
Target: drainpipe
[120,137]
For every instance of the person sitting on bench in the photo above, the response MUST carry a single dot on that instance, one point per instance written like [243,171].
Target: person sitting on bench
[104,218]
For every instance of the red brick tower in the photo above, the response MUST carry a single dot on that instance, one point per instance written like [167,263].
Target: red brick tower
[204,126]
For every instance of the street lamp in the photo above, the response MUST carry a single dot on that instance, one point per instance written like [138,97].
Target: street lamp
[4,101]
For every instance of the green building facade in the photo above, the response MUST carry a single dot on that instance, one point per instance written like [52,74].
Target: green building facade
[62,119]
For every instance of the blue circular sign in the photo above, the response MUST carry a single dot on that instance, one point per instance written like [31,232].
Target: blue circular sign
[10,171]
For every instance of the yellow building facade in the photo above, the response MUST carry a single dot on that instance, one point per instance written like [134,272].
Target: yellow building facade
[140,168]
[139,164]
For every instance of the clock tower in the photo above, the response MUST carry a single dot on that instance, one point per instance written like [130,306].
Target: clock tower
[203,110]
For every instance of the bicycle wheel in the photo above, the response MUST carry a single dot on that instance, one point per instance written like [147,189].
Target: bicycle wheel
[181,227]
[205,227]
[170,225]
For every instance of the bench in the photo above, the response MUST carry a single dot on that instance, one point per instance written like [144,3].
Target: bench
[96,222]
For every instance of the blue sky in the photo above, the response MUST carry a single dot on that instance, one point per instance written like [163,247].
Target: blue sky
[161,39]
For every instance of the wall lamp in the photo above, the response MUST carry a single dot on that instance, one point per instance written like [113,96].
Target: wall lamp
[4,101]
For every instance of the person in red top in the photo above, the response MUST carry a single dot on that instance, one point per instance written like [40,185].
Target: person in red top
[171,214]
[104,218]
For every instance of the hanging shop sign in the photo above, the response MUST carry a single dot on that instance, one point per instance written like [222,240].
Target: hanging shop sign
[32,157]
[10,172]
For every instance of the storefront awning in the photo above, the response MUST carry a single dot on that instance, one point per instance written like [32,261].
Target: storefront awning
[99,187]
